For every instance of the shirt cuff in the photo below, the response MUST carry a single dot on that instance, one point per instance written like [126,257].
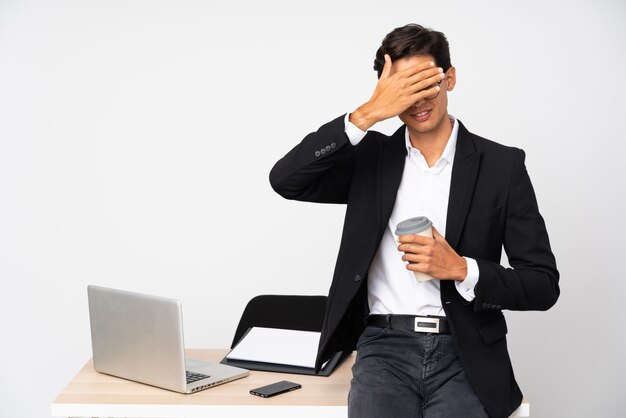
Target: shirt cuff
[355,135]
[466,287]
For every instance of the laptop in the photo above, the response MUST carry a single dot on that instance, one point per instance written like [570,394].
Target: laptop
[140,337]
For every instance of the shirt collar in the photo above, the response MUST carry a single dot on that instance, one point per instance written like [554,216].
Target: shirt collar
[450,149]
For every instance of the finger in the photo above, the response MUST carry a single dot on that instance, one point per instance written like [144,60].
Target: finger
[439,238]
[422,94]
[415,249]
[421,267]
[426,84]
[417,68]
[387,67]
[415,239]
[426,77]
[415,258]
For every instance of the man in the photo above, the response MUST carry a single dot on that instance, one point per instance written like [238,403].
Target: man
[435,348]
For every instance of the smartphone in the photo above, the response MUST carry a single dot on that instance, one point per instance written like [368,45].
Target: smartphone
[275,389]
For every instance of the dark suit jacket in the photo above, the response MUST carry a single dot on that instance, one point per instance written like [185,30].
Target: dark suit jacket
[492,204]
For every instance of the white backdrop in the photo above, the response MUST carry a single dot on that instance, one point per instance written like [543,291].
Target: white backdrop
[136,138]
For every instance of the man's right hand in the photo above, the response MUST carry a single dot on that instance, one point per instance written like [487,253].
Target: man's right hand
[396,92]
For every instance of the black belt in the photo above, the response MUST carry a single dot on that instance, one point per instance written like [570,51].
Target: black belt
[433,324]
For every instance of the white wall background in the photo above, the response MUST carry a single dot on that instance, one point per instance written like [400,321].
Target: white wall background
[136,138]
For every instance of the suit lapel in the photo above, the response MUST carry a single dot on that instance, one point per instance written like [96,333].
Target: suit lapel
[464,174]
[391,167]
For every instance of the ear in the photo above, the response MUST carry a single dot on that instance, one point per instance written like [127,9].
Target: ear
[450,80]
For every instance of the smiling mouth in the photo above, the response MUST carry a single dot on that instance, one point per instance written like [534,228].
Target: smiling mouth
[421,115]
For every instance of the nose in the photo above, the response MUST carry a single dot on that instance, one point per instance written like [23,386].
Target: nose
[419,102]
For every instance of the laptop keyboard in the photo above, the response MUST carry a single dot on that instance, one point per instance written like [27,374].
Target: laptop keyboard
[194,377]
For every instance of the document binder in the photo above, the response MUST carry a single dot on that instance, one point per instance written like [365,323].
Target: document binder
[326,370]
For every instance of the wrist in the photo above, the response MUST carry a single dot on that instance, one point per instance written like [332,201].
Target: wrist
[461,270]
[362,118]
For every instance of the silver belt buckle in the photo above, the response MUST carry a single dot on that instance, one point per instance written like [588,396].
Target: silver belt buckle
[427,325]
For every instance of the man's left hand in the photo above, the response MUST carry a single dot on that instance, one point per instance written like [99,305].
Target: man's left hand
[432,256]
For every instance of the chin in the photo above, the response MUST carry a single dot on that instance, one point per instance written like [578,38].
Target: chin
[430,125]
[421,127]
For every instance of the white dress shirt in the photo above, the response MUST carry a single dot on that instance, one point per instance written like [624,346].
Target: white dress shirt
[423,191]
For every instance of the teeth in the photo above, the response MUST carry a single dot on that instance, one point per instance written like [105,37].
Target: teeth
[421,113]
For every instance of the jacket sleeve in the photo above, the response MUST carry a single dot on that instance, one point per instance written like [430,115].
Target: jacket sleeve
[318,169]
[532,282]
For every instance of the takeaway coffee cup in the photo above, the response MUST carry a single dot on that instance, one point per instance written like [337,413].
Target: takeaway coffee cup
[419,225]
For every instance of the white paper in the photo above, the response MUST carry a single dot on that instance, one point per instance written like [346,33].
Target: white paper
[279,346]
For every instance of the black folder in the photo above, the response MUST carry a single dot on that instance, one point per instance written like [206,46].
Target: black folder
[327,370]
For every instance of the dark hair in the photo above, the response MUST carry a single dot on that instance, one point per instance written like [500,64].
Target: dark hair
[411,40]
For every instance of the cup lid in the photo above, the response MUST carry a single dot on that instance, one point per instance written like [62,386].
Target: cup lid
[413,226]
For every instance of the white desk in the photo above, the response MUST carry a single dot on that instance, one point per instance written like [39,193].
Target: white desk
[92,394]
